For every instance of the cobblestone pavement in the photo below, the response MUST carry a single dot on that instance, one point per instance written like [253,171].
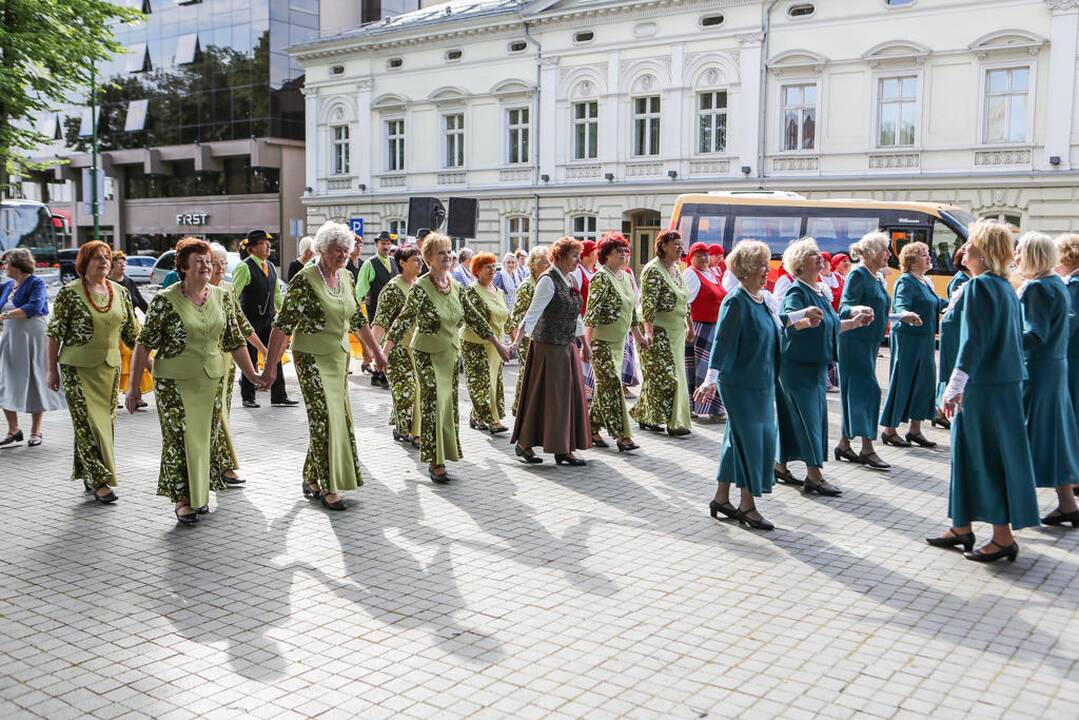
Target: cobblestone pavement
[515,592]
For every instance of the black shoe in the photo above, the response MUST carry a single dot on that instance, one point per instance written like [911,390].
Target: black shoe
[942,422]
[714,509]
[920,440]
[821,487]
[142,404]
[374,379]
[626,445]
[894,440]
[232,481]
[435,477]
[785,477]
[383,382]
[598,442]
[560,458]
[950,541]
[398,437]
[414,442]
[1011,552]
[308,492]
[650,428]
[846,454]
[761,524]
[202,510]
[189,519]
[873,461]
[678,432]
[12,440]
[476,425]
[337,505]
[251,404]
[35,440]
[527,456]
[1059,517]
[284,402]
[497,428]
[107,499]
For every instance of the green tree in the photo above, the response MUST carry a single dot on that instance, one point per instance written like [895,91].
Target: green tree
[47,48]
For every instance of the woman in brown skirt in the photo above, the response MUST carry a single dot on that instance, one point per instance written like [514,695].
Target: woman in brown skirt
[552,412]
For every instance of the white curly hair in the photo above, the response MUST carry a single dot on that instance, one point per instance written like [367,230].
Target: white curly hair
[333,233]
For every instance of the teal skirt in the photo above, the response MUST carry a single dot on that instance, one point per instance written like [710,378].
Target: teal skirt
[992,470]
[859,392]
[912,380]
[802,412]
[1051,425]
[747,459]
[949,350]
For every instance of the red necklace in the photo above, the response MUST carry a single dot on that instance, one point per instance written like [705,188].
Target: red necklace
[90,297]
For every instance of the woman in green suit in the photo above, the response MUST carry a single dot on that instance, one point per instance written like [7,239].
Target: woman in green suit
[400,369]
[665,311]
[90,317]
[949,333]
[992,469]
[319,311]
[609,319]
[536,264]
[912,378]
[805,354]
[482,352]
[191,327]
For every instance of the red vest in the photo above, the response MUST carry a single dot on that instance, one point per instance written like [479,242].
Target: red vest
[705,308]
[837,292]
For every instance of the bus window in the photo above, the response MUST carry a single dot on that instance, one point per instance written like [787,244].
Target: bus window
[837,234]
[945,243]
[707,228]
[774,231]
[901,237]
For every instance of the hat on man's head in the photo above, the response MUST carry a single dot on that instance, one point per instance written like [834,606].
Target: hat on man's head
[256,236]
[385,235]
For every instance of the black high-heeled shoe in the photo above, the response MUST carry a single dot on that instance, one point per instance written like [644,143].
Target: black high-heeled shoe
[188,519]
[1011,552]
[715,508]
[873,460]
[1059,517]
[232,482]
[202,510]
[942,422]
[107,499]
[398,437]
[527,456]
[786,477]
[894,440]
[626,445]
[762,524]
[338,504]
[678,432]
[436,478]
[964,539]
[598,442]
[496,429]
[920,440]
[821,487]
[568,459]
[308,493]
[846,454]
[12,439]
[650,428]
[476,425]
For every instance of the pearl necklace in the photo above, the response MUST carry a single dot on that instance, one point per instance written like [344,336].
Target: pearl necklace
[331,290]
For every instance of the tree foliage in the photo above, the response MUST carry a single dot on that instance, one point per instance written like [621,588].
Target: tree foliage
[47,48]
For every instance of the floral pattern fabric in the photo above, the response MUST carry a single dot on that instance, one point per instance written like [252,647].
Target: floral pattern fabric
[316,467]
[605,303]
[400,368]
[420,310]
[429,425]
[660,381]
[302,311]
[525,293]
[88,464]
[479,367]
[172,475]
[71,323]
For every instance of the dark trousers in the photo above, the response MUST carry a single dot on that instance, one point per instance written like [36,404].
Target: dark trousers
[277,390]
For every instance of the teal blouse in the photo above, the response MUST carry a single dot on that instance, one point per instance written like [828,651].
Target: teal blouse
[991,332]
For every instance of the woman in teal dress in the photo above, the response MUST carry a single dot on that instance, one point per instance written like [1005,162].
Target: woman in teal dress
[912,376]
[745,363]
[482,352]
[805,354]
[992,469]
[949,333]
[1047,404]
[665,313]
[1068,269]
[859,391]
[318,312]
[191,328]
[400,368]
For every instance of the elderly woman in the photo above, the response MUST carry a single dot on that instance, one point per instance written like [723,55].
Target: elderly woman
[1068,269]
[522,265]
[319,311]
[305,251]
[400,368]
[506,279]
[745,363]
[191,326]
[610,318]
[665,311]
[118,274]
[949,334]
[858,387]
[706,294]
[536,263]
[805,354]
[912,376]
[435,307]
[24,387]
[552,411]
[1047,405]
[992,469]
[90,317]
[482,350]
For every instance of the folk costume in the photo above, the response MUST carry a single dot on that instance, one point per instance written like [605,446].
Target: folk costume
[612,313]
[400,368]
[485,315]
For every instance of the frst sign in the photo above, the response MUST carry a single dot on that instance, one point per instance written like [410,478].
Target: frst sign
[356,225]
[192,218]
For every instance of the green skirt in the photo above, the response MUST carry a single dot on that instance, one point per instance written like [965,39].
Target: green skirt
[483,376]
[91,399]
[332,460]
[439,437]
[401,374]
[224,451]
[664,392]
[190,414]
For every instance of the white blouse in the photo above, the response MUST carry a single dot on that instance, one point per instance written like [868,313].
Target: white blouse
[542,297]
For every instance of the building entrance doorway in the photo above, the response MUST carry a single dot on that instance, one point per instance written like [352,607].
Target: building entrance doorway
[641,228]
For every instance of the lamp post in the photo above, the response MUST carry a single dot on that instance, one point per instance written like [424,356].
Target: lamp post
[94,208]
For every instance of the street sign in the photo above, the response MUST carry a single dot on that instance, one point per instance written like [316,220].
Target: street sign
[356,225]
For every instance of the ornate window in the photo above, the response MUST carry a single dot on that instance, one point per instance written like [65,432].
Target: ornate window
[586,130]
[584,227]
[799,117]
[646,126]
[339,150]
[712,121]
[454,140]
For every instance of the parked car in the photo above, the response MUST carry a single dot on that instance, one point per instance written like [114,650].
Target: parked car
[167,262]
[66,258]
[139,268]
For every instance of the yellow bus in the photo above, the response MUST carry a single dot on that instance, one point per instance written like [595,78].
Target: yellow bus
[776,218]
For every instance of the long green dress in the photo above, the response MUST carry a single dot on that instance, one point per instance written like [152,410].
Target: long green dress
[859,391]
[437,317]
[611,313]
[949,334]
[485,314]
[1049,413]
[319,320]
[992,469]
[802,402]
[745,354]
[400,368]
[1072,283]
[912,376]
[525,293]
[223,444]
[664,392]
[90,373]
[189,370]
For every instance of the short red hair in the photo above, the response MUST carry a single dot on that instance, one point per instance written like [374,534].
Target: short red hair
[610,242]
[187,247]
[480,261]
[86,252]
[562,247]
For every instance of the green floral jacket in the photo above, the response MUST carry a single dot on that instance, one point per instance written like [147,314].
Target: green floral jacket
[605,303]
[656,295]
[302,311]
[525,292]
[164,331]
[71,324]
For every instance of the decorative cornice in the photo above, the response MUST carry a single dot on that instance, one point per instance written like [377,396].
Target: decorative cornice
[1063,6]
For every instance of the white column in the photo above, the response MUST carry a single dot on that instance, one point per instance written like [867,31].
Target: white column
[748,103]
[548,115]
[612,121]
[672,130]
[365,140]
[310,100]
[1060,100]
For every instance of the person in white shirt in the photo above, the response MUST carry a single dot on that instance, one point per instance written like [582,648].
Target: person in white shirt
[463,274]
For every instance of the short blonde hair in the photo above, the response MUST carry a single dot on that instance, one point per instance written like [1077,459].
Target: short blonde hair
[908,254]
[746,257]
[1068,249]
[869,243]
[1038,254]
[536,256]
[797,253]
[218,251]
[333,234]
[993,240]
[307,244]
[433,243]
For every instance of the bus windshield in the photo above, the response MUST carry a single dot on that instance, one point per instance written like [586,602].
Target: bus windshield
[28,225]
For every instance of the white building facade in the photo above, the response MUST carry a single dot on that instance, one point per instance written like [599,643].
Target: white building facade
[573,117]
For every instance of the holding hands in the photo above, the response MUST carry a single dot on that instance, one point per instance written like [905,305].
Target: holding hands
[705,393]
[910,318]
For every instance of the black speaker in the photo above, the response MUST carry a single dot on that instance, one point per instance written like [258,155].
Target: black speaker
[425,212]
[462,218]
